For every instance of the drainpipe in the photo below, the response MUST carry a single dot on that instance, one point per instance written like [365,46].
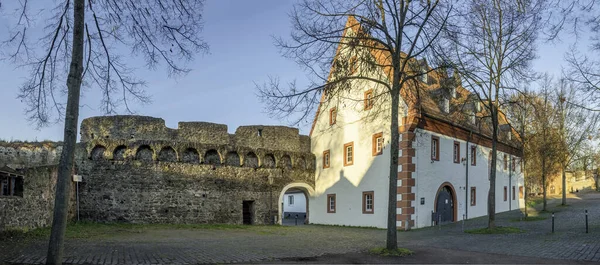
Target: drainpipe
[467,190]
[510,183]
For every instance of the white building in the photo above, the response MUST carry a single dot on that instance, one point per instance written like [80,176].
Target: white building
[294,203]
[445,148]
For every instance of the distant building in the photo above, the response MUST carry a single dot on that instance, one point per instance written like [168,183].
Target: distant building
[294,203]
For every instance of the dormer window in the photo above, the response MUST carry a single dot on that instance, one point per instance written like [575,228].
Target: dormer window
[446,105]
[477,106]
[423,75]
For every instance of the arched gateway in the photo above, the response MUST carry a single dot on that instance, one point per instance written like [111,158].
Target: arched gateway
[308,191]
[445,203]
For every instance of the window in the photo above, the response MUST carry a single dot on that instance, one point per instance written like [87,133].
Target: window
[369,99]
[473,196]
[331,203]
[513,163]
[505,162]
[349,154]
[368,201]
[377,144]
[352,65]
[456,152]
[513,193]
[435,148]
[332,116]
[521,193]
[290,199]
[505,193]
[326,159]
[473,155]
[11,185]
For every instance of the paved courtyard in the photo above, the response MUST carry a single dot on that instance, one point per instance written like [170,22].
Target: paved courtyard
[273,244]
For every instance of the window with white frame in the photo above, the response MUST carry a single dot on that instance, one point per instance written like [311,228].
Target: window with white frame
[349,154]
[331,203]
[368,202]
[290,199]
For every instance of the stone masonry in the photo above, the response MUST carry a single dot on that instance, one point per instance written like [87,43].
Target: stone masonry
[135,169]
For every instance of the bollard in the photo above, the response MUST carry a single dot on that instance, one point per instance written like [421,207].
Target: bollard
[463,223]
[586,222]
[296,219]
[439,222]
[552,222]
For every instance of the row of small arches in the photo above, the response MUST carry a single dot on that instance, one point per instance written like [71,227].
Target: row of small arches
[145,153]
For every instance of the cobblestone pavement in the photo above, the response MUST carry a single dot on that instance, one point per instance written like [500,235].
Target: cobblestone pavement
[178,246]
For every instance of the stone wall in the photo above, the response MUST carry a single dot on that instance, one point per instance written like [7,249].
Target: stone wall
[34,208]
[135,169]
[172,192]
[140,128]
[22,155]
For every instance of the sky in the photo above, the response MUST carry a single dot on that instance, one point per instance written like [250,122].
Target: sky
[221,86]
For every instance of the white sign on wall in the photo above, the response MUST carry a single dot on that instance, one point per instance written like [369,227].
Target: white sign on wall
[77,178]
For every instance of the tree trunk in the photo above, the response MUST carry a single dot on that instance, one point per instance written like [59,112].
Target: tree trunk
[492,192]
[544,184]
[391,240]
[596,179]
[595,176]
[65,167]
[564,186]
[524,186]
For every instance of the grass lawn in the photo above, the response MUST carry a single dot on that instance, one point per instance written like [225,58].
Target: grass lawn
[529,219]
[399,252]
[497,230]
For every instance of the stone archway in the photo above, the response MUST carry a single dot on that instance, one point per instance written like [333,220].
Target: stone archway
[445,203]
[308,191]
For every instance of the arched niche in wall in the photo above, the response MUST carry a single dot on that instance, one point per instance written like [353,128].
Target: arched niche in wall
[98,152]
[119,153]
[212,157]
[232,159]
[300,163]
[167,154]
[286,162]
[144,153]
[268,161]
[190,155]
[251,160]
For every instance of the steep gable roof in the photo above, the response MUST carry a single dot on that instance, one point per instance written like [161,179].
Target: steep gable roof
[426,99]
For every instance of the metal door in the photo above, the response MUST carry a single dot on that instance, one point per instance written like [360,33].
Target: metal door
[445,205]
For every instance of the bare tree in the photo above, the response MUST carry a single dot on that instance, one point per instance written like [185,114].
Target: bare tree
[84,38]
[492,45]
[579,22]
[520,113]
[543,141]
[385,36]
[575,124]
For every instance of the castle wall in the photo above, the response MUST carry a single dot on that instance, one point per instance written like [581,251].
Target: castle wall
[35,207]
[135,169]
[167,192]
[22,155]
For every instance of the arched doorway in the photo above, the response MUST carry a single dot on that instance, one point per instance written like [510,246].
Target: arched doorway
[445,204]
[295,194]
